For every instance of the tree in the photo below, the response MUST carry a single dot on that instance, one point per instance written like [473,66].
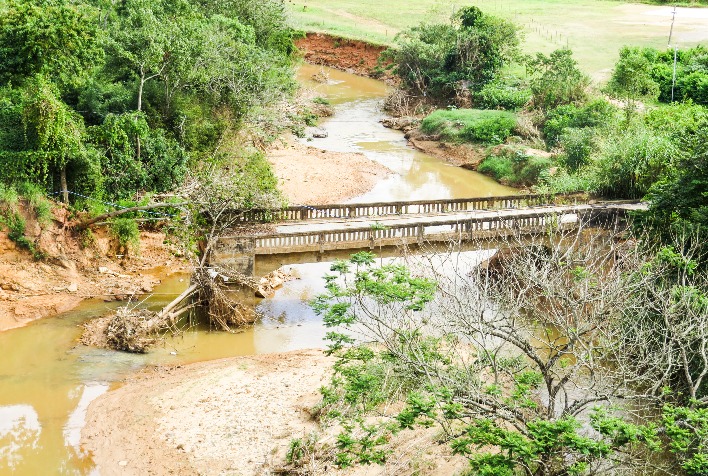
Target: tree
[58,39]
[432,59]
[556,79]
[140,40]
[632,76]
[510,360]
[681,197]
[41,135]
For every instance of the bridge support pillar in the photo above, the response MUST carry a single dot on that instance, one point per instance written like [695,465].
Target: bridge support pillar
[236,253]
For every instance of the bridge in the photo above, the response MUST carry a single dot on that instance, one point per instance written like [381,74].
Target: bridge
[359,226]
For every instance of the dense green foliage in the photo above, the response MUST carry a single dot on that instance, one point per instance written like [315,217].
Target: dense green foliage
[470,125]
[118,98]
[648,72]
[440,59]
[556,80]
[515,168]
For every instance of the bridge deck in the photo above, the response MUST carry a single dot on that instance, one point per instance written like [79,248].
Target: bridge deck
[430,219]
[362,232]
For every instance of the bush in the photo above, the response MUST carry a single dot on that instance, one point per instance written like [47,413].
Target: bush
[516,168]
[16,232]
[470,125]
[500,168]
[501,96]
[577,145]
[34,194]
[630,161]
[433,59]
[8,196]
[563,182]
[557,80]
[126,231]
[593,114]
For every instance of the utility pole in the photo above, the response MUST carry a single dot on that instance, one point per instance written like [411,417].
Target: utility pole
[671,31]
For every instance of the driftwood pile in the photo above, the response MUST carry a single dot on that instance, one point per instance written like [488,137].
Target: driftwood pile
[132,330]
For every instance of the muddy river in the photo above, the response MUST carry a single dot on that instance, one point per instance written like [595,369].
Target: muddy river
[47,379]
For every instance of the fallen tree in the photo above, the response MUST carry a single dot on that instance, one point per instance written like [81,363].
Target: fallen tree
[210,209]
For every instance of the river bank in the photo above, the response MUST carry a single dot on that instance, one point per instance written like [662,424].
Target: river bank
[313,176]
[232,416]
[74,270]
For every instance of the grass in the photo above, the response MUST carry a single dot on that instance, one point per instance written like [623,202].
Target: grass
[470,125]
[594,29]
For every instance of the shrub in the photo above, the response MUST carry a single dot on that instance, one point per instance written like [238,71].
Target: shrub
[500,168]
[34,194]
[16,232]
[563,182]
[501,96]
[516,168]
[126,231]
[432,59]
[8,196]
[470,125]
[630,161]
[577,145]
[632,75]
[556,80]
[594,114]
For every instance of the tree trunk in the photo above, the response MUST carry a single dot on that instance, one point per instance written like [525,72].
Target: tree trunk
[64,186]
[140,91]
[87,223]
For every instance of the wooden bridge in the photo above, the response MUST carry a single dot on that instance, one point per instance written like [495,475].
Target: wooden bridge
[368,225]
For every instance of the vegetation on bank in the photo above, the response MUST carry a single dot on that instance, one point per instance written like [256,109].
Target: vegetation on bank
[605,24]
[111,100]
[641,135]
[579,354]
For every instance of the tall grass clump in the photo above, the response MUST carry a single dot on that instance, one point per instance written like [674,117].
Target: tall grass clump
[516,168]
[470,125]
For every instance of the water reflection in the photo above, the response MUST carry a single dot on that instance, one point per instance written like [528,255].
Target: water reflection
[19,428]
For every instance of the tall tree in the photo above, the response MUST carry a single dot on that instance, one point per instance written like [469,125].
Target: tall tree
[58,39]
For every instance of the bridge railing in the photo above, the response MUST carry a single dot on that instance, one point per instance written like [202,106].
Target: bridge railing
[354,210]
[461,229]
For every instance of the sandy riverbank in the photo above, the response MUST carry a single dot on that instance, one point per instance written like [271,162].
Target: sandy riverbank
[234,416]
[308,175]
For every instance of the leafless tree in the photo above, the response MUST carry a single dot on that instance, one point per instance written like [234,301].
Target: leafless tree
[521,334]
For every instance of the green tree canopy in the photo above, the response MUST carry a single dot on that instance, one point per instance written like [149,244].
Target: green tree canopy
[55,38]
[432,59]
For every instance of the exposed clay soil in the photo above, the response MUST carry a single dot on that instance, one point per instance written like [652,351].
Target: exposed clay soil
[308,175]
[31,289]
[353,56]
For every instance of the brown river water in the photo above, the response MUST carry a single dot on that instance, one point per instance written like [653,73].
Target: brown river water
[47,379]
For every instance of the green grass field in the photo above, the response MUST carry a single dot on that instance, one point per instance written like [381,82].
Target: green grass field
[593,29]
